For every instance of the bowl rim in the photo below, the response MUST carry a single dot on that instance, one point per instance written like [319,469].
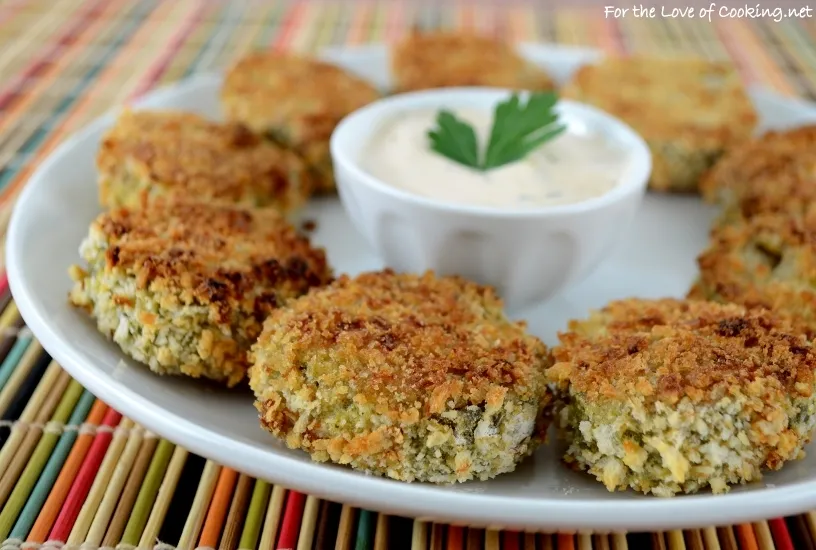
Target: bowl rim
[359,122]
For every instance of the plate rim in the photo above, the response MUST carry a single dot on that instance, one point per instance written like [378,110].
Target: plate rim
[422,501]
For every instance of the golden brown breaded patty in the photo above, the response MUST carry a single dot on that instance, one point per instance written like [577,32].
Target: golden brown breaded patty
[158,153]
[768,260]
[672,396]
[689,111]
[415,377]
[440,59]
[185,287]
[295,101]
[773,173]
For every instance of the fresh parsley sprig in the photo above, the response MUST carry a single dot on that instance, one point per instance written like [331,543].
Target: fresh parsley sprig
[518,128]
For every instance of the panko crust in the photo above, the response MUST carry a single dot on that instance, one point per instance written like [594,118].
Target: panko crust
[672,396]
[768,260]
[424,60]
[162,153]
[689,111]
[662,350]
[415,377]
[295,101]
[185,287]
[775,173]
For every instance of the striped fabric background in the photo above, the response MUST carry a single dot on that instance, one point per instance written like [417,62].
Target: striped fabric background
[75,472]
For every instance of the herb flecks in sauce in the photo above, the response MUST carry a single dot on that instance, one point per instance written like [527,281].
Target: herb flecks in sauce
[578,164]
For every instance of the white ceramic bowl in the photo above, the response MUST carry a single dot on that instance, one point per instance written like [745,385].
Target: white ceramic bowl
[526,254]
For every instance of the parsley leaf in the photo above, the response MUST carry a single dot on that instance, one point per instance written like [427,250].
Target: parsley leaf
[455,139]
[518,128]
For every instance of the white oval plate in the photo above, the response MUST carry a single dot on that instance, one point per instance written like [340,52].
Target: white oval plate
[658,259]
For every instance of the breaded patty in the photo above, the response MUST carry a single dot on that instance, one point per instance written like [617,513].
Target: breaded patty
[444,59]
[671,396]
[295,101]
[773,173]
[159,153]
[689,111]
[185,287]
[414,377]
[768,260]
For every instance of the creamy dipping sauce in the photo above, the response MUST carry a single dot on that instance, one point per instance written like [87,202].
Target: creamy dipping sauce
[572,167]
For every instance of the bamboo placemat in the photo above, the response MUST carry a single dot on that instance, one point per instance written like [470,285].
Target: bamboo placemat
[73,471]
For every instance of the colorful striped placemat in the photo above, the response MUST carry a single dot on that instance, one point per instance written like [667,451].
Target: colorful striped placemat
[73,471]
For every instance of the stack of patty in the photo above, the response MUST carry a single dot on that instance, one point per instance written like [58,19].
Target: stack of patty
[674,396]
[195,271]
[763,245]
[196,250]
[408,376]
